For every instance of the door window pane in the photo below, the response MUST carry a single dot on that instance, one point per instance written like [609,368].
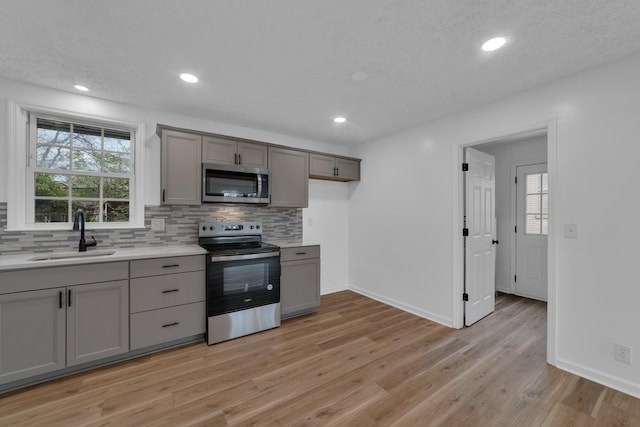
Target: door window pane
[537,203]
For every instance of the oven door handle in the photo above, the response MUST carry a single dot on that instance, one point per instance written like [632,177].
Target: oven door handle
[244,257]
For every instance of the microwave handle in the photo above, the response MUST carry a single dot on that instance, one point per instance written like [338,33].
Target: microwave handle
[259,185]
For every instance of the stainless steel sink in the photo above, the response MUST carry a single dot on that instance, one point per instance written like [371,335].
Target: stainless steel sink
[71,255]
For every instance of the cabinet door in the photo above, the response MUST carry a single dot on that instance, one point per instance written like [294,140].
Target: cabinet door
[252,155]
[32,333]
[348,169]
[322,166]
[219,151]
[289,178]
[97,321]
[181,169]
[299,287]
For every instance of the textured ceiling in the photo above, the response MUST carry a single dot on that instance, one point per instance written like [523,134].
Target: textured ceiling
[286,65]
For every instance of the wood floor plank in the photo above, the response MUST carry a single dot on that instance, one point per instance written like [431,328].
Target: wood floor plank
[356,362]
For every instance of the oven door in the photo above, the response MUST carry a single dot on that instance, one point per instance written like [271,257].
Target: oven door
[239,282]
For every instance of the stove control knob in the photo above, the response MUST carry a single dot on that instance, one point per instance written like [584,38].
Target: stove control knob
[204,228]
[211,228]
[251,227]
[257,227]
[269,287]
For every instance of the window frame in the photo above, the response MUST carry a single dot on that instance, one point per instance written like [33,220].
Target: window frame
[22,168]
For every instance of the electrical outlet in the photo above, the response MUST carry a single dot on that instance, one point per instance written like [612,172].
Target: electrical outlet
[622,353]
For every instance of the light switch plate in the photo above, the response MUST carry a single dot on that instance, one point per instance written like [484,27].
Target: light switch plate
[571,231]
[157,224]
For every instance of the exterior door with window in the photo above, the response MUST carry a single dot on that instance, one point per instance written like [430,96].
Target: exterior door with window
[532,219]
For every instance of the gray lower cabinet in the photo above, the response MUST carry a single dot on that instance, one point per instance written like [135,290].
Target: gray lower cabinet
[289,178]
[97,321]
[167,299]
[299,280]
[48,329]
[32,334]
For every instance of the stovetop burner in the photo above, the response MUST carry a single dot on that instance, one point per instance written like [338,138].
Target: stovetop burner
[225,238]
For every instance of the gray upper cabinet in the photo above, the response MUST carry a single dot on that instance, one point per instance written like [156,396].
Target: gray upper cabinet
[32,333]
[231,152]
[333,168]
[289,178]
[181,176]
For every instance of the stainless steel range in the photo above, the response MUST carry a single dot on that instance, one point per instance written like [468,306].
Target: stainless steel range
[243,280]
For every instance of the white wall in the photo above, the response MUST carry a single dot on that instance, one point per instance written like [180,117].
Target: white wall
[401,224]
[509,154]
[324,223]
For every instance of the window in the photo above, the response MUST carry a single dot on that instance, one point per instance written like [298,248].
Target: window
[75,166]
[537,203]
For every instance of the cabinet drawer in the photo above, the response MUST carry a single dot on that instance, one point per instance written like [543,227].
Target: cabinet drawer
[68,275]
[299,252]
[167,324]
[149,293]
[169,265]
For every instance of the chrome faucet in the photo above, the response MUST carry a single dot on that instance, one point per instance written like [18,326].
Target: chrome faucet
[78,224]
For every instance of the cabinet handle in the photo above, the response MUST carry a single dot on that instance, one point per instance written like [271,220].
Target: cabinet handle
[334,171]
[235,159]
[69,298]
[171,265]
[239,159]
[301,253]
[166,325]
[168,291]
[60,299]
[337,171]
[163,194]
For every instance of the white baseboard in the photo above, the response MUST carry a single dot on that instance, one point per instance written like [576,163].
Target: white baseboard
[610,381]
[332,290]
[405,307]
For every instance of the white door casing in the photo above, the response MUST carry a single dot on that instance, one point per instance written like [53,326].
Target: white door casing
[480,253]
[531,235]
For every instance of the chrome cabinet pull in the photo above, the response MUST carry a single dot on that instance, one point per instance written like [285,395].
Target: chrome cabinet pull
[170,290]
[301,253]
[69,298]
[171,266]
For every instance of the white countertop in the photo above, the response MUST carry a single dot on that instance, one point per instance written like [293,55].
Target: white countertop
[289,243]
[28,260]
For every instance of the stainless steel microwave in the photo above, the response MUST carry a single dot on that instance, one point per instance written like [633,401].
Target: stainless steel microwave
[234,184]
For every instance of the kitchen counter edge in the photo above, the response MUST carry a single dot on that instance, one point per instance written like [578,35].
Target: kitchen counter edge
[24,261]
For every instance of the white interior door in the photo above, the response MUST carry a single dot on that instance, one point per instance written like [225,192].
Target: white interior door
[532,219]
[480,253]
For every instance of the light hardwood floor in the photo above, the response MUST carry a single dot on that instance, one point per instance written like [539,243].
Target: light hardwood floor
[356,362]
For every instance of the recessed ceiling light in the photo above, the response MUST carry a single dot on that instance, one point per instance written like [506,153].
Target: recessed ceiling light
[189,78]
[493,44]
[339,119]
[359,75]
[81,88]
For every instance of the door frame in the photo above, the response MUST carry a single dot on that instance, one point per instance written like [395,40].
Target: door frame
[550,126]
